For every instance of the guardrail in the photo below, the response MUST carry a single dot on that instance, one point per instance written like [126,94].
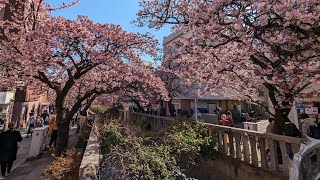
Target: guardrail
[261,150]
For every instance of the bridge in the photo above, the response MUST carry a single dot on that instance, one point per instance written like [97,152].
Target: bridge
[246,154]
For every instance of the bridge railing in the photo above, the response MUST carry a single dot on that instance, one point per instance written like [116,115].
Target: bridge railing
[267,151]
[261,150]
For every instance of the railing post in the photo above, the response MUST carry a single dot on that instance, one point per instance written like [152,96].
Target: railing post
[273,154]
[238,148]
[225,143]
[263,153]
[246,151]
[253,146]
[283,149]
[231,145]
[220,142]
[209,131]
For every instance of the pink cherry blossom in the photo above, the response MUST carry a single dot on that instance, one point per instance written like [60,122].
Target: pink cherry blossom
[244,46]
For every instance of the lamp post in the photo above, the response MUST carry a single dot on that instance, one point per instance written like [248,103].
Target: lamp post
[195,108]
[196,102]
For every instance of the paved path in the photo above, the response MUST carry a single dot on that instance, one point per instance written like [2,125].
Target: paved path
[23,151]
[32,169]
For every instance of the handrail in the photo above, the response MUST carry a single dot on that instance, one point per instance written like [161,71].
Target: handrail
[153,116]
[276,137]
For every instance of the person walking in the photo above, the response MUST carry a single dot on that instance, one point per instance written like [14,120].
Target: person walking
[270,126]
[31,124]
[8,149]
[290,129]
[269,130]
[45,117]
[39,122]
[54,132]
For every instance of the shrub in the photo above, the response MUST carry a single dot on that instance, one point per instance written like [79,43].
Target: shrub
[99,109]
[105,113]
[183,113]
[65,166]
[146,126]
[155,155]
[111,137]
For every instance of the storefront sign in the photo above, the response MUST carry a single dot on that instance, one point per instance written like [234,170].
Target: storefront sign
[312,110]
[299,106]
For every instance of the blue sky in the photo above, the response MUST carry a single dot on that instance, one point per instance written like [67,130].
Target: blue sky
[120,12]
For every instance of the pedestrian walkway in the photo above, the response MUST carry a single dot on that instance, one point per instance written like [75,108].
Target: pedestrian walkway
[32,169]
[23,151]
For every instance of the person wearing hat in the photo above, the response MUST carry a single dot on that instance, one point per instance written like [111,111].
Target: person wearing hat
[306,124]
[8,149]
[270,125]
[229,118]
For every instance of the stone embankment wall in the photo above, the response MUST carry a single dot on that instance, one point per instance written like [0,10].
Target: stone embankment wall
[225,168]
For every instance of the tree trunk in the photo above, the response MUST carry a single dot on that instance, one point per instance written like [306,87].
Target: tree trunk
[62,126]
[171,107]
[63,135]
[162,109]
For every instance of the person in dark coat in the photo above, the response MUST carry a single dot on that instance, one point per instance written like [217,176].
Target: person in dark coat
[290,129]
[45,117]
[8,148]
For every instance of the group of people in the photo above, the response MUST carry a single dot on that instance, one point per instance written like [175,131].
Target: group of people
[227,119]
[9,140]
[309,128]
[37,121]
[44,120]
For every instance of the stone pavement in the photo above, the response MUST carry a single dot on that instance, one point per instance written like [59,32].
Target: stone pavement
[24,169]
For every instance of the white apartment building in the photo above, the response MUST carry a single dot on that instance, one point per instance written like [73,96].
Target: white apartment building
[6,106]
[206,101]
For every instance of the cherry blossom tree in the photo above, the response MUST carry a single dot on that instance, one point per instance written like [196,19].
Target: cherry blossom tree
[73,61]
[175,85]
[245,46]
[80,60]
[20,17]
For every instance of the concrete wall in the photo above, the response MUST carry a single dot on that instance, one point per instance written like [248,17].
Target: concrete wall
[225,168]
[90,163]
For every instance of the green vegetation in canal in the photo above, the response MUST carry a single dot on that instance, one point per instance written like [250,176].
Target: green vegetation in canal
[129,151]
